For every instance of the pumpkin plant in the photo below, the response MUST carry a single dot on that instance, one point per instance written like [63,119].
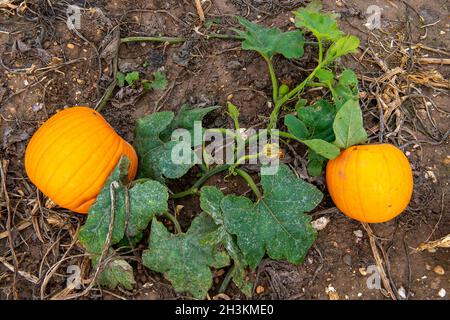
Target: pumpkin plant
[235,231]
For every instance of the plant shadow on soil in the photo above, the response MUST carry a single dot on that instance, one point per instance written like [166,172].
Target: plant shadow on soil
[208,72]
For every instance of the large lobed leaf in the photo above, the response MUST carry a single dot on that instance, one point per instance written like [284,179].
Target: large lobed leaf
[94,232]
[322,25]
[210,201]
[276,224]
[270,41]
[183,258]
[156,149]
[146,199]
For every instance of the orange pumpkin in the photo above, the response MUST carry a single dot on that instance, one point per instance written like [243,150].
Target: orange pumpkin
[370,183]
[72,154]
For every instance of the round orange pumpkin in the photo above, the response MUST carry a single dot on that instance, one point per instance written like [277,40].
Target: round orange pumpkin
[72,154]
[370,183]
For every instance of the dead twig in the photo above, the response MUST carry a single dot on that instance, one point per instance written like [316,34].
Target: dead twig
[200,12]
[433,60]
[29,277]
[114,185]
[379,261]
[443,242]
[3,169]
[21,226]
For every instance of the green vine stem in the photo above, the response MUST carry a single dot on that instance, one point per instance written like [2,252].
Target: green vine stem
[276,111]
[223,36]
[273,78]
[319,41]
[153,39]
[174,220]
[226,280]
[245,158]
[194,189]
[249,181]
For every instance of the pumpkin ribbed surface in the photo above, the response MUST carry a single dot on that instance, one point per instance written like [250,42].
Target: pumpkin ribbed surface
[72,154]
[370,183]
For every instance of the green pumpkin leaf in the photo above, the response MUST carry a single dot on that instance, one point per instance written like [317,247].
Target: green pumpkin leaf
[325,76]
[131,77]
[270,41]
[159,156]
[276,224]
[301,103]
[185,119]
[348,125]
[116,272]
[147,199]
[322,148]
[316,164]
[346,88]
[159,81]
[341,47]
[93,233]
[296,127]
[183,259]
[318,118]
[210,200]
[322,25]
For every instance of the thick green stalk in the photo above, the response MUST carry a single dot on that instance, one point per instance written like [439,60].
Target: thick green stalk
[153,39]
[195,187]
[273,78]
[276,111]
[249,181]
[174,220]
[320,50]
[226,280]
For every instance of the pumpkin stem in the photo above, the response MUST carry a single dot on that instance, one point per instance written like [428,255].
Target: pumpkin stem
[174,220]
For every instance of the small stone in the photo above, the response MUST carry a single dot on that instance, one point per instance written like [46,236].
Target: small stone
[260,289]
[358,233]
[321,223]
[442,293]
[402,292]
[70,46]
[331,292]
[430,175]
[447,160]
[439,270]
[81,81]
[37,107]
[347,259]
[427,266]
[234,65]
[230,96]
[359,294]
[442,32]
